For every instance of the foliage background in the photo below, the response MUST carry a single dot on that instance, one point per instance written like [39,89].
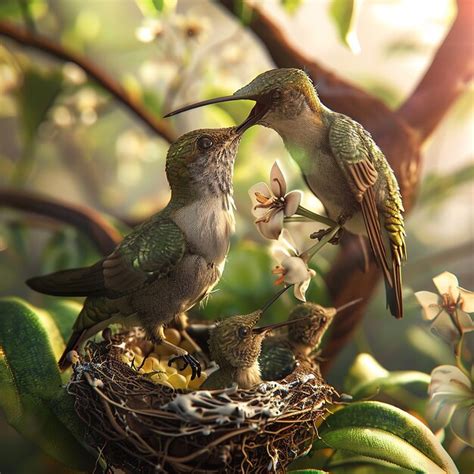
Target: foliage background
[62,135]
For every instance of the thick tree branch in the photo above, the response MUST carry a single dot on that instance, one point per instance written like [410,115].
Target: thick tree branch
[446,78]
[91,223]
[47,46]
[399,134]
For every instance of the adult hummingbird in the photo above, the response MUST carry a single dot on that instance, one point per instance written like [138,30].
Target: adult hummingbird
[281,352]
[169,262]
[340,162]
[235,345]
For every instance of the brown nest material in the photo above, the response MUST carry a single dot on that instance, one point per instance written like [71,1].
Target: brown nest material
[140,426]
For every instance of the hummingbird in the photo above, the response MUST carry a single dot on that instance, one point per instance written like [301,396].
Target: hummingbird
[235,345]
[171,261]
[281,352]
[340,162]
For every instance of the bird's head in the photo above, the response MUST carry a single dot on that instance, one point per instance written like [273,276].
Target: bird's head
[280,95]
[311,323]
[236,342]
[202,161]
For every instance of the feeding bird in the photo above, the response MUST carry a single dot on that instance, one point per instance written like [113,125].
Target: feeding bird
[172,260]
[281,352]
[235,345]
[341,163]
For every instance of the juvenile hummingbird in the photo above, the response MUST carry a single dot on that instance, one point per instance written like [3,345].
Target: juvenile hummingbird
[281,351]
[340,162]
[235,345]
[172,260]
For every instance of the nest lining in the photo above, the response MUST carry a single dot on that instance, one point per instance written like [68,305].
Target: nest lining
[140,426]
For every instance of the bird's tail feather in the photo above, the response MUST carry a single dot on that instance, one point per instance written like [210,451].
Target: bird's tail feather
[394,292]
[87,281]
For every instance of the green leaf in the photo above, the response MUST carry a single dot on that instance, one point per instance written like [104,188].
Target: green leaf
[384,432]
[156,7]
[36,96]
[437,188]
[347,462]
[12,8]
[366,378]
[307,471]
[344,15]
[33,399]
[291,6]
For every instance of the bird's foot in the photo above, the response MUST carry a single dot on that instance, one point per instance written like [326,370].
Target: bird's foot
[320,234]
[188,360]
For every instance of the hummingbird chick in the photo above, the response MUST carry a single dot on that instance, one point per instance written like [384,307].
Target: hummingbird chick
[281,352]
[169,262]
[235,345]
[341,164]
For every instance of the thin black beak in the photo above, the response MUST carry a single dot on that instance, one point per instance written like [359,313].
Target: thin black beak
[217,100]
[271,327]
[348,305]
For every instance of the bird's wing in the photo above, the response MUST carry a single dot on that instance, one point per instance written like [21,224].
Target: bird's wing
[148,253]
[357,153]
[351,146]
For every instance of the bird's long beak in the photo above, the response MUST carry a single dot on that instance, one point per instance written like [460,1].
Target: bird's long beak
[258,111]
[271,327]
[348,305]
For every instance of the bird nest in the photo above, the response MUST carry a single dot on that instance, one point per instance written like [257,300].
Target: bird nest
[141,426]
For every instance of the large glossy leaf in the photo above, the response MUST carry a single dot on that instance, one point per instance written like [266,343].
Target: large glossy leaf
[33,398]
[367,378]
[344,15]
[383,432]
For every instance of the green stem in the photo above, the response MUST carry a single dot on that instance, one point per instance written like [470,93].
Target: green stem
[458,347]
[315,217]
[308,254]
[297,219]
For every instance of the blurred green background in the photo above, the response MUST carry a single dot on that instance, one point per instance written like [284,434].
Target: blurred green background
[63,136]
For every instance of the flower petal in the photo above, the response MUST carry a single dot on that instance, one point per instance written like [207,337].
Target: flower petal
[449,380]
[261,188]
[467,303]
[272,228]
[286,239]
[296,270]
[444,327]
[462,424]
[279,252]
[439,413]
[292,201]
[277,181]
[447,283]
[430,303]
[300,290]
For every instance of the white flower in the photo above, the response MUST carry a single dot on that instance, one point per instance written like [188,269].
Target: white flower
[271,205]
[293,269]
[452,401]
[149,30]
[448,310]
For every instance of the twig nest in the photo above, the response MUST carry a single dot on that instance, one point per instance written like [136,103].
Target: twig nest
[139,425]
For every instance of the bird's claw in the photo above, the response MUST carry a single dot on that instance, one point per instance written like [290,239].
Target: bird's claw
[188,360]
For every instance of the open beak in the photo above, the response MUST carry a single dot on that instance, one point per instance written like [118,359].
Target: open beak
[257,113]
[271,327]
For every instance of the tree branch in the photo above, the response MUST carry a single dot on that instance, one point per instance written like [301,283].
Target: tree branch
[446,78]
[91,223]
[47,46]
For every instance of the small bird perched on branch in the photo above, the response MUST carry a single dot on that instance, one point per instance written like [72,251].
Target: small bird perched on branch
[171,261]
[235,345]
[281,352]
[340,162]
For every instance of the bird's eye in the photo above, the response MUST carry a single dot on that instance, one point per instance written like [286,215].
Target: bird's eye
[205,142]
[243,332]
[324,319]
[276,94]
